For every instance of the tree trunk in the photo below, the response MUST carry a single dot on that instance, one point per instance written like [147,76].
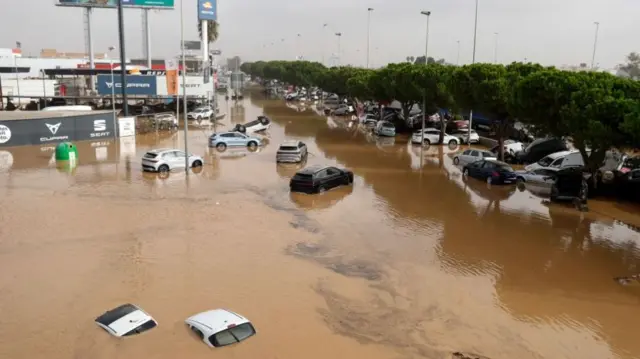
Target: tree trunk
[442,129]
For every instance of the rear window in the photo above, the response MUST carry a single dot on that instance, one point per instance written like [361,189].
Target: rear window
[505,168]
[232,335]
[142,328]
[304,176]
[388,125]
[288,148]
[150,155]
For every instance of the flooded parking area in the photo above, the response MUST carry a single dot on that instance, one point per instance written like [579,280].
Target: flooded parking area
[412,261]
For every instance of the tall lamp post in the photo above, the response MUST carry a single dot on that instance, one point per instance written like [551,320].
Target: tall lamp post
[473,61]
[339,35]
[495,48]
[298,55]
[123,59]
[113,93]
[426,62]
[458,55]
[369,10]
[324,43]
[595,45]
[184,89]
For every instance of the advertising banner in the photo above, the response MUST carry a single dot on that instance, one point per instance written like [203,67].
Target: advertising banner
[136,84]
[171,65]
[158,4]
[192,45]
[94,127]
[194,84]
[208,10]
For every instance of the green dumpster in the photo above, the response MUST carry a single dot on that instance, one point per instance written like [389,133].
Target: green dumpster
[66,151]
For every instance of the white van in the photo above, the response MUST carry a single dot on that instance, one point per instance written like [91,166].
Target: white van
[558,160]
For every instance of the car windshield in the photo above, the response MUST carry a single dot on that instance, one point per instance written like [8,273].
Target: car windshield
[388,125]
[546,161]
[150,324]
[232,335]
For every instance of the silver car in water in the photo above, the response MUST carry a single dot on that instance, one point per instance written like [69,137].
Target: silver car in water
[291,152]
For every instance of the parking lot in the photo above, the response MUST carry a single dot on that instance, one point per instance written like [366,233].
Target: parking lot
[412,260]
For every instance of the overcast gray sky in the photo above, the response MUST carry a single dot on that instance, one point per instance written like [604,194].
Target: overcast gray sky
[552,32]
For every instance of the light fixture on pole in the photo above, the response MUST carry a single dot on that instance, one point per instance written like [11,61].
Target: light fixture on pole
[495,48]
[113,93]
[426,62]
[473,61]
[339,35]
[369,10]
[595,45]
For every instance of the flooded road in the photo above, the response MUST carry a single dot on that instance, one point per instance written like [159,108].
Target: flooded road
[413,261]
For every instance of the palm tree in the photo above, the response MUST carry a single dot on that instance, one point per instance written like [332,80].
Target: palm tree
[212,30]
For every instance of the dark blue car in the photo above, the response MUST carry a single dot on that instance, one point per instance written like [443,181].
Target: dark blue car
[492,171]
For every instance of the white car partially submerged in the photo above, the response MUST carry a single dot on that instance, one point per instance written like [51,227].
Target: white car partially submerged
[220,327]
[126,320]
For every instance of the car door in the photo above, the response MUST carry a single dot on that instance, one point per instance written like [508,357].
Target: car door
[474,156]
[465,157]
[545,177]
[239,139]
[333,177]
[486,170]
[169,158]
[475,169]
[179,159]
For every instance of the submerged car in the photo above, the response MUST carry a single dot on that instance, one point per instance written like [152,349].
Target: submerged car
[385,128]
[473,155]
[262,123]
[167,159]
[432,136]
[492,171]
[200,113]
[126,320]
[291,152]
[463,136]
[220,327]
[318,179]
[223,140]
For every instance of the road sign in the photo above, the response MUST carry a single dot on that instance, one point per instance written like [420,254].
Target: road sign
[156,4]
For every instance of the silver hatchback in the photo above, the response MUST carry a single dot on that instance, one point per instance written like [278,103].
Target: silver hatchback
[291,152]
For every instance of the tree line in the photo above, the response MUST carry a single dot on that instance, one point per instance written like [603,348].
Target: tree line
[597,111]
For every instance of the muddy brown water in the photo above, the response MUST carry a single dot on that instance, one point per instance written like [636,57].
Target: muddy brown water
[413,261]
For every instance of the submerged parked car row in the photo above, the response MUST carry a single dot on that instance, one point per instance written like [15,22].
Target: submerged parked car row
[216,328]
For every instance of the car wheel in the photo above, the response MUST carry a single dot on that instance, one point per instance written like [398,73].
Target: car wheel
[520,184]
[465,172]
[221,146]
[427,142]
[456,161]
[196,163]
[252,145]
[489,180]
[452,143]
[163,169]
[321,189]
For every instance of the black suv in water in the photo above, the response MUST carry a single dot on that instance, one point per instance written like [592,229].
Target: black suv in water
[317,179]
[540,148]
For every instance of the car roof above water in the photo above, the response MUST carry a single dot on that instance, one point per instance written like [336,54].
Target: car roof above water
[218,319]
[312,169]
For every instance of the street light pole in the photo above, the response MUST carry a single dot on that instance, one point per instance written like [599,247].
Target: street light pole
[473,61]
[113,94]
[595,45]
[426,62]
[324,43]
[369,10]
[495,48]
[184,90]
[123,60]
[458,55]
[339,35]
[298,55]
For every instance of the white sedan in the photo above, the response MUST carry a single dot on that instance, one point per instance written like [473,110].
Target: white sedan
[432,136]
[200,113]
[126,320]
[220,327]
[463,136]
[473,155]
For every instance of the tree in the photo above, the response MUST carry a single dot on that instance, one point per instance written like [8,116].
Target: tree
[632,67]
[596,110]
[420,61]
[359,85]
[212,31]
[398,82]
[485,88]
[433,80]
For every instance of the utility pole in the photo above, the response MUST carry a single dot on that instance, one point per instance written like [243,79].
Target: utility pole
[595,45]
[369,10]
